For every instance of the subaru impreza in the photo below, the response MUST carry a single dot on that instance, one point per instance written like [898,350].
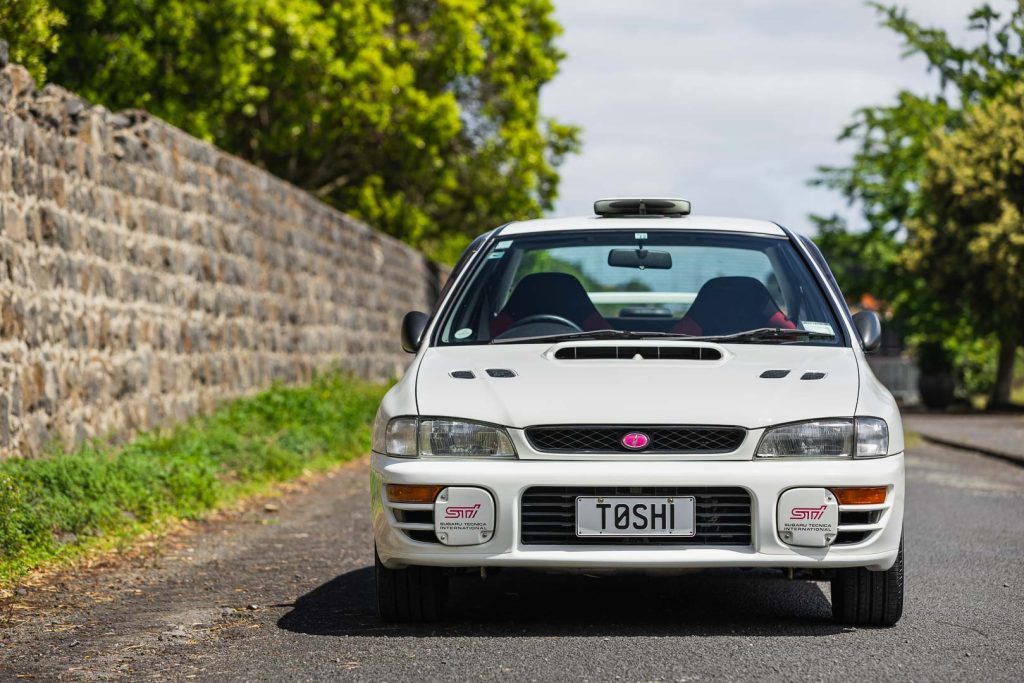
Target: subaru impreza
[634,390]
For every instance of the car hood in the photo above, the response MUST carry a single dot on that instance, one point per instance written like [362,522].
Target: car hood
[635,390]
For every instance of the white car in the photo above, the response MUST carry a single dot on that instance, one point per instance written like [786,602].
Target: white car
[641,389]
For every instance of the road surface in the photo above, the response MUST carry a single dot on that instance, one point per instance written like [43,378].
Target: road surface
[288,595]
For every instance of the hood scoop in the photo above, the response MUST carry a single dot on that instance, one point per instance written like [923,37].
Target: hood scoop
[638,352]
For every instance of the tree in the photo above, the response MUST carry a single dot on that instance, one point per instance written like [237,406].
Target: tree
[889,160]
[420,116]
[863,262]
[892,160]
[968,240]
[29,28]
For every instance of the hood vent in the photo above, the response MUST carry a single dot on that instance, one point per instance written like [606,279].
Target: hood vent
[638,352]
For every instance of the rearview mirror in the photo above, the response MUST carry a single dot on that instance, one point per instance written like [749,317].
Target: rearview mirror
[869,326]
[413,325]
[639,258]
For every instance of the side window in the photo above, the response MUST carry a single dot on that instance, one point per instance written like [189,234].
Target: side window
[819,259]
[473,247]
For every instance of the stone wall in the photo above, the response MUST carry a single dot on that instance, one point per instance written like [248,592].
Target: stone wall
[146,275]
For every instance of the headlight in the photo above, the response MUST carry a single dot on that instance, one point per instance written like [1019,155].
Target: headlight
[872,438]
[401,437]
[467,439]
[410,437]
[380,428]
[865,437]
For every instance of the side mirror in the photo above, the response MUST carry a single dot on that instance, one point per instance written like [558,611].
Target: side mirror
[413,325]
[869,326]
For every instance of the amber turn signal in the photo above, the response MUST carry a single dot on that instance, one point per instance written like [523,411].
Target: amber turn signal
[873,495]
[413,493]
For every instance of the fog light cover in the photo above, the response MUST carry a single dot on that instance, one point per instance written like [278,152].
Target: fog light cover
[808,517]
[464,515]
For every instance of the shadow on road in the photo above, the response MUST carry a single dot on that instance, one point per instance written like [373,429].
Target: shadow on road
[519,603]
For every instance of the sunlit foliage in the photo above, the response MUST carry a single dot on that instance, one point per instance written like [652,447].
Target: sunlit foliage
[420,116]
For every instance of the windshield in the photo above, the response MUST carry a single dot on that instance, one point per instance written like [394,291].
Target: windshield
[636,284]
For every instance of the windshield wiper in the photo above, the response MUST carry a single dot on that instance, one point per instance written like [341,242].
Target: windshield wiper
[769,334]
[568,336]
[761,334]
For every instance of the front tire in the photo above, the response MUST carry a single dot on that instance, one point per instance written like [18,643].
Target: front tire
[865,598]
[413,594]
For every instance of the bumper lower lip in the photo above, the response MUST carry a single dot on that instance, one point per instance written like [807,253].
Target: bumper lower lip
[575,557]
[764,480]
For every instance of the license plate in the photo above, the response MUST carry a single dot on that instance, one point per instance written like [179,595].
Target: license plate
[625,516]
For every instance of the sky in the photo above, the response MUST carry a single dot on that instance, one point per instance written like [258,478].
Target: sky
[728,103]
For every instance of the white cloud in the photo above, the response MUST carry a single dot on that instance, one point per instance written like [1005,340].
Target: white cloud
[729,103]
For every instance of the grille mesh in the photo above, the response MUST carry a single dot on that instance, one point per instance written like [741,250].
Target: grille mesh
[607,439]
[548,515]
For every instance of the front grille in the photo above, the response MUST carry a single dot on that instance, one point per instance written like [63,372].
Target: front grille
[608,439]
[548,515]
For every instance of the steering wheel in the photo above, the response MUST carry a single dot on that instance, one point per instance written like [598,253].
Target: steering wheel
[549,318]
[540,324]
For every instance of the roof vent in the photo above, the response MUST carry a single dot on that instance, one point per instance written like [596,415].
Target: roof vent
[812,375]
[774,374]
[500,372]
[638,206]
[462,374]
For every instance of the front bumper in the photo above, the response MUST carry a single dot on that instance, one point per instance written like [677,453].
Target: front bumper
[765,481]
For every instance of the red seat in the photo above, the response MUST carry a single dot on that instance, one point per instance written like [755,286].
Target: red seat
[554,294]
[727,305]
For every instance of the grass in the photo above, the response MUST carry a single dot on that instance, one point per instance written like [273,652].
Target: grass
[58,508]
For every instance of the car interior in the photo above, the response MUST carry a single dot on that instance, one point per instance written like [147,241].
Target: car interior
[542,289]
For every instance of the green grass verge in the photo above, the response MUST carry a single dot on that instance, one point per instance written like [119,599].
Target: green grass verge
[57,508]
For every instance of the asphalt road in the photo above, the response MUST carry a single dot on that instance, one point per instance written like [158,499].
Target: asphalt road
[288,595]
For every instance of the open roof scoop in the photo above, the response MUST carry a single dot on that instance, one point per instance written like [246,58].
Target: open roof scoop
[639,206]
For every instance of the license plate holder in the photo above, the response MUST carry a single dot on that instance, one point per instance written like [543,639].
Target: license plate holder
[638,516]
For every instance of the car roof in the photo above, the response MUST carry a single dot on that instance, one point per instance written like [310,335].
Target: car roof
[715,223]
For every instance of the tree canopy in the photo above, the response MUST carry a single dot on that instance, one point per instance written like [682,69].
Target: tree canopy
[419,116]
[30,29]
[967,242]
[937,183]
